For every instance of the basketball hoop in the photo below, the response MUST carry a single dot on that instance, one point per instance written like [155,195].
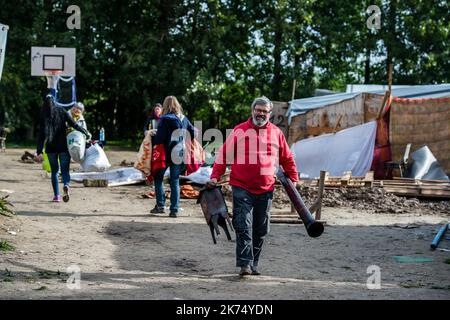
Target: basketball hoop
[53,61]
[53,72]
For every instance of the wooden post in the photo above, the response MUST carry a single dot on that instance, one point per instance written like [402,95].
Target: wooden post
[368,179]
[293,89]
[390,77]
[387,95]
[346,178]
[321,186]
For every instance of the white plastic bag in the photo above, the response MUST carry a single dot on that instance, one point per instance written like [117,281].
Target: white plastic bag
[76,143]
[95,159]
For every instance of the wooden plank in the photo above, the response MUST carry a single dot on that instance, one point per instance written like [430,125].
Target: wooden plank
[417,184]
[368,179]
[436,193]
[417,192]
[385,99]
[97,183]
[420,180]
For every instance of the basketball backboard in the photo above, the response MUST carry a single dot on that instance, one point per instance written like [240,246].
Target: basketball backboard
[51,60]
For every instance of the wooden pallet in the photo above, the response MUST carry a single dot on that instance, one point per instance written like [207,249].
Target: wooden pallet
[347,180]
[416,188]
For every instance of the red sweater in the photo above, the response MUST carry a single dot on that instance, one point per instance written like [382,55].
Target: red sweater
[253,153]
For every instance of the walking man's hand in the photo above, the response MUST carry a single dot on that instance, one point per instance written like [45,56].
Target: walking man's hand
[211,183]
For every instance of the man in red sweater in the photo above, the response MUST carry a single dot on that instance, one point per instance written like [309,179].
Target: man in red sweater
[254,149]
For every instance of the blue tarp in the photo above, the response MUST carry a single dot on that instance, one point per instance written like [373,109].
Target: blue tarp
[300,106]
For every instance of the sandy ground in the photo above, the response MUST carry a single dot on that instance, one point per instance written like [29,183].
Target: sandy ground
[123,252]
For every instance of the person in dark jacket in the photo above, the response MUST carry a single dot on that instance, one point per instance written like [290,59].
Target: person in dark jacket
[153,118]
[52,133]
[172,131]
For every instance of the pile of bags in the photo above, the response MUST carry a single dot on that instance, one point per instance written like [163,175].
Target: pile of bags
[92,158]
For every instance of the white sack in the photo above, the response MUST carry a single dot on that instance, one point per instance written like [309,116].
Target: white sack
[95,159]
[76,143]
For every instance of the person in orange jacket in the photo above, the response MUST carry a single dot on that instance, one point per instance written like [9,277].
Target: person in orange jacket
[254,149]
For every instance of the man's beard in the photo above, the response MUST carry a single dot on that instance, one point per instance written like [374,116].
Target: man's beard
[260,120]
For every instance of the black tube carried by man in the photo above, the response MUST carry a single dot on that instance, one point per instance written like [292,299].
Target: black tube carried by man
[313,227]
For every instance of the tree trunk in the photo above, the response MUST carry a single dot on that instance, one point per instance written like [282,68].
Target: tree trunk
[391,36]
[367,66]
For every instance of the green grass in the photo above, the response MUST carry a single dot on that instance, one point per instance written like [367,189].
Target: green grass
[47,274]
[6,246]
[123,144]
[20,144]
[5,205]
[447,261]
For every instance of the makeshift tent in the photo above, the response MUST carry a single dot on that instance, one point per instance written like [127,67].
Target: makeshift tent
[325,114]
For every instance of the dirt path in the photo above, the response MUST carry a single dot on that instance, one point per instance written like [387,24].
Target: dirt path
[125,253]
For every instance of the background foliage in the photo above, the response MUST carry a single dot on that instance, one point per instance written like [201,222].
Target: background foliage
[216,56]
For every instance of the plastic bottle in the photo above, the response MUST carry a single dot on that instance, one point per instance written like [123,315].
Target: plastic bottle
[102,135]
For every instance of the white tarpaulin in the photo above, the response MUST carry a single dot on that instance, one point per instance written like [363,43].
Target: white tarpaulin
[120,176]
[347,150]
[201,176]
[3,35]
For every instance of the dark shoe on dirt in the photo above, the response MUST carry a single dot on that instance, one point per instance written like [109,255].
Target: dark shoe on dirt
[173,215]
[157,209]
[66,194]
[255,272]
[245,271]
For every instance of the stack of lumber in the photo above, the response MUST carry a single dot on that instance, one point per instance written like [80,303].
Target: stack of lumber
[285,217]
[416,188]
